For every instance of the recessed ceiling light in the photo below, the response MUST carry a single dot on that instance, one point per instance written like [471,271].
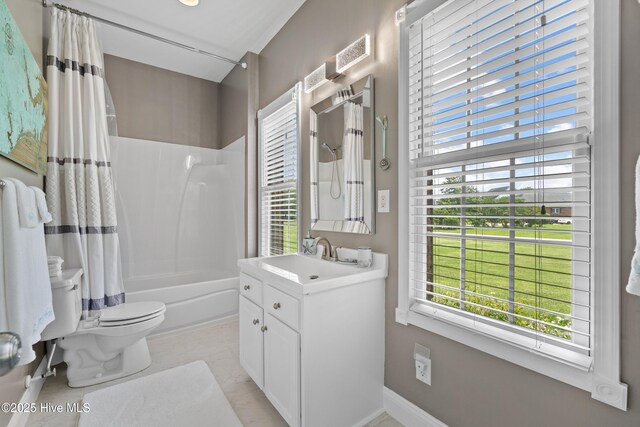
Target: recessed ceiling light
[190,2]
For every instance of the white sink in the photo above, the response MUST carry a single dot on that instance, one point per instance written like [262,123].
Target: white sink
[309,274]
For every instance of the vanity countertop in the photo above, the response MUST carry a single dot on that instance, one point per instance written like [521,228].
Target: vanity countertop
[306,274]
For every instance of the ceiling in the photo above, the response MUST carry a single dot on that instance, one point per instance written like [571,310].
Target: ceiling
[228,28]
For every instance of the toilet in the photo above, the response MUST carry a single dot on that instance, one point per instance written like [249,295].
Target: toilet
[106,347]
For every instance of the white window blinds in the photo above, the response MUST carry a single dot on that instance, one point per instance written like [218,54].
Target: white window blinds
[279,157]
[499,118]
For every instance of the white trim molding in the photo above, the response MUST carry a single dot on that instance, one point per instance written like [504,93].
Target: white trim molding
[291,95]
[606,385]
[30,395]
[601,375]
[406,413]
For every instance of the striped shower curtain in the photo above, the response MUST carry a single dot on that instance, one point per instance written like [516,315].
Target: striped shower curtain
[79,183]
[313,167]
[353,169]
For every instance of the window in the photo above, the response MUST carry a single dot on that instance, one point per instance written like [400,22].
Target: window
[497,135]
[279,157]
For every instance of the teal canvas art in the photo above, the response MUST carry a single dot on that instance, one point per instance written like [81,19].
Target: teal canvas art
[23,99]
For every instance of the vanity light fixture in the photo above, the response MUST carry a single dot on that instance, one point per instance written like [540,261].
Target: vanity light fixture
[354,53]
[316,79]
[321,75]
[190,2]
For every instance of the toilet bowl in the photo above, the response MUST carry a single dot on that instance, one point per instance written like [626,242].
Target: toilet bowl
[108,346]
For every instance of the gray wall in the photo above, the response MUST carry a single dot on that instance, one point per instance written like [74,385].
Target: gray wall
[161,105]
[234,101]
[28,15]
[469,388]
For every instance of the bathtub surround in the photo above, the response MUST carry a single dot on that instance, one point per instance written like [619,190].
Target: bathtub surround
[79,180]
[181,242]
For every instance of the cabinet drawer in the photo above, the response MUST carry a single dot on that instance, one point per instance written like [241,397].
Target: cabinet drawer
[282,306]
[251,288]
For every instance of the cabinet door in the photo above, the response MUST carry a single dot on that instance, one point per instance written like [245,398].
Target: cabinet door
[251,340]
[282,369]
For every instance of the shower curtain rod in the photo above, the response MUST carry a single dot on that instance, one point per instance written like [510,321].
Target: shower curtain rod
[49,3]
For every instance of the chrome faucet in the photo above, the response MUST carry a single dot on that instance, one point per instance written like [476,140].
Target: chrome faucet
[330,253]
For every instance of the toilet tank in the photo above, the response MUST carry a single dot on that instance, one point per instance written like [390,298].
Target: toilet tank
[67,304]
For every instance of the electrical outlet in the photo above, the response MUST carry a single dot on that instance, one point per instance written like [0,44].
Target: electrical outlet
[422,357]
[383,201]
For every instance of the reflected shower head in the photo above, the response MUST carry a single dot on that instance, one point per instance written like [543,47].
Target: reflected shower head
[327,147]
[332,150]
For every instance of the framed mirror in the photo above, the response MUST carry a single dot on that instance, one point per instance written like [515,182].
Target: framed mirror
[342,160]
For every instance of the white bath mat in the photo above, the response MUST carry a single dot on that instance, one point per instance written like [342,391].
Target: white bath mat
[184,396]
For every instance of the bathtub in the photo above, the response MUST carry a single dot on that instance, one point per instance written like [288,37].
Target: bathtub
[191,298]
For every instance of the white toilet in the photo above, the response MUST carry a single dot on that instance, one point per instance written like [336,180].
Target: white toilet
[109,346]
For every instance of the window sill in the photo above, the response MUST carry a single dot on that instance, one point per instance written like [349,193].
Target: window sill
[576,371]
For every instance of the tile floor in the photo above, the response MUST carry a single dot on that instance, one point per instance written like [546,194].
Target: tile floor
[217,345]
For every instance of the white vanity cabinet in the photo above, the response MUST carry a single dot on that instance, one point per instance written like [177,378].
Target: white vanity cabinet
[316,350]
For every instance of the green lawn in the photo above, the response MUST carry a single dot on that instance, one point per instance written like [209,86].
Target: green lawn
[486,275]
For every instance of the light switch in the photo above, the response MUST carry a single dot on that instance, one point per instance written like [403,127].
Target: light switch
[383,201]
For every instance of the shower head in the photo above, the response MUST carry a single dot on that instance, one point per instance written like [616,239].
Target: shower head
[328,147]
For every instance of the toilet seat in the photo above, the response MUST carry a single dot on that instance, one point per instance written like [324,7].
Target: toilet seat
[130,313]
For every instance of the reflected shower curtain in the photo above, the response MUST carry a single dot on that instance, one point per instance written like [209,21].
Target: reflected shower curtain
[313,167]
[353,169]
[79,183]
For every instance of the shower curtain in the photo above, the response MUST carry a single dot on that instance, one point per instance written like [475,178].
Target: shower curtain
[353,169]
[79,183]
[313,137]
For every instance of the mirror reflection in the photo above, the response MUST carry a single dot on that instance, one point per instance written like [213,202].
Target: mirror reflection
[342,166]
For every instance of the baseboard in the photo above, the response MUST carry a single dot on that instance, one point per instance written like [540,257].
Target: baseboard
[370,418]
[406,413]
[30,395]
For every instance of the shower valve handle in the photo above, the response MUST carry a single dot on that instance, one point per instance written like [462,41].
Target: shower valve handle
[264,329]
[247,287]
[256,321]
[276,305]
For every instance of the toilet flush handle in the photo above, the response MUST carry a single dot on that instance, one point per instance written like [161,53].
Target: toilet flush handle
[92,322]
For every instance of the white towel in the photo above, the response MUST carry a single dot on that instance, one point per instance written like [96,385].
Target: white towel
[54,260]
[41,203]
[633,287]
[27,210]
[25,290]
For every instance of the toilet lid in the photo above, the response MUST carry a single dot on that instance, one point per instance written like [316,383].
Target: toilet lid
[131,312]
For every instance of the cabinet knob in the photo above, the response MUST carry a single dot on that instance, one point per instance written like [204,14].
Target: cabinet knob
[247,287]
[276,305]
[256,321]
[264,328]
